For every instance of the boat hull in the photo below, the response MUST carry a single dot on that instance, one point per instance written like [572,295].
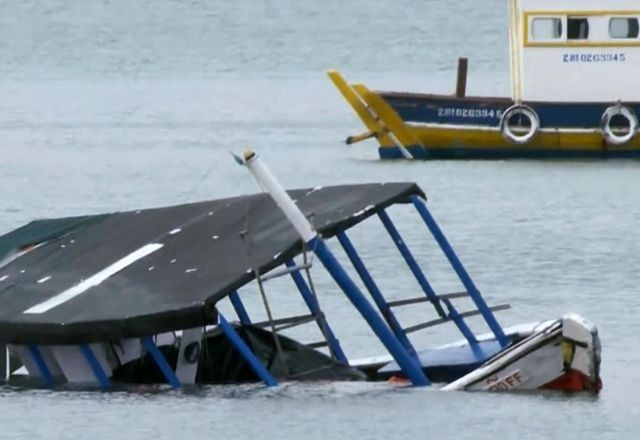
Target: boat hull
[562,356]
[461,142]
[427,126]
[469,128]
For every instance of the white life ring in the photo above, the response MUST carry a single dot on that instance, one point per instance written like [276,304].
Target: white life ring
[513,134]
[608,133]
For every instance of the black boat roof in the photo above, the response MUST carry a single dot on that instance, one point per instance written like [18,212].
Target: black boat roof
[137,273]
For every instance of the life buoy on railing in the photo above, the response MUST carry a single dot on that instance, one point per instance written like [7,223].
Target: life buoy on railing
[608,133]
[516,133]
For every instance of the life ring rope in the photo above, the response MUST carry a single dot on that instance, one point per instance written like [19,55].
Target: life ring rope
[608,132]
[507,129]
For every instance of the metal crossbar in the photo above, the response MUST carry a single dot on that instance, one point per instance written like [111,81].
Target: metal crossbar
[271,323]
[415,328]
[421,299]
[310,298]
[318,344]
[282,323]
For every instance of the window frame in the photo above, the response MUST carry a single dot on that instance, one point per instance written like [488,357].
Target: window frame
[594,39]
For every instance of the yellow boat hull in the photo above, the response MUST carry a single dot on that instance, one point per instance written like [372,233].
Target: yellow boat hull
[463,142]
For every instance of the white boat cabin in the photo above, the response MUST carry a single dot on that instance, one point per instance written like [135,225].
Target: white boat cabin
[575,50]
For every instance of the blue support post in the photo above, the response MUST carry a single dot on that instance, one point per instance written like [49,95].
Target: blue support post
[374,291]
[162,363]
[411,262]
[41,364]
[93,362]
[466,280]
[465,330]
[314,307]
[246,352]
[408,364]
[243,316]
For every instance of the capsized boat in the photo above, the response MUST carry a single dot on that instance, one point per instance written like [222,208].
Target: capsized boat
[574,69]
[145,297]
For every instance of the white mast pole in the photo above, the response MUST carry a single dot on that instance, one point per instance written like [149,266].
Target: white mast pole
[279,195]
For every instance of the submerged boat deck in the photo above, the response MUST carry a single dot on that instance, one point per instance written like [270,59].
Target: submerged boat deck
[138,296]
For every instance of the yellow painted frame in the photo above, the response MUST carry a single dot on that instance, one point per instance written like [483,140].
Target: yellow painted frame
[579,43]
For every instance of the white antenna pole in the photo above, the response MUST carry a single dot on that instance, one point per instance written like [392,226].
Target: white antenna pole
[279,195]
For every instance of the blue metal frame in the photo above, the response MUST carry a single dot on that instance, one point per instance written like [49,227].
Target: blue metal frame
[422,279]
[45,373]
[314,308]
[161,362]
[408,364]
[411,262]
[374,291]
[243,316]
[468,283]
[246,352]
[93,362]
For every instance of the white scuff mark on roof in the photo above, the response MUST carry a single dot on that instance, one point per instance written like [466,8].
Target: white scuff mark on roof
[44,280]
[138,212]
[249,270]
[150,268]
[210,212]
[193,269]
[172,261]
[175,231]
[215,237]
[317,188]
[367,208]
[4,277]
[22,271]
[63,246]
[72,241]
[94,279]
[277,255]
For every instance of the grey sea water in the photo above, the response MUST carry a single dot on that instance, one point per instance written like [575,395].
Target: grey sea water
[112,105]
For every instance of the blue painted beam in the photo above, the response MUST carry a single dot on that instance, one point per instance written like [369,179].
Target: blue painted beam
[161,362]
[466,280]
[408,364]
[374,291]
[101,375]
[246,352]
[41,364]
[314,308]
[243,316]
[464,328]
[411,262]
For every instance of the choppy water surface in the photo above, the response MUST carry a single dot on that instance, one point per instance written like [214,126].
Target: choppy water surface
[112,105]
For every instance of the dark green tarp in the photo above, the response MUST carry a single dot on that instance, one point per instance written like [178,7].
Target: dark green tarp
[40,231]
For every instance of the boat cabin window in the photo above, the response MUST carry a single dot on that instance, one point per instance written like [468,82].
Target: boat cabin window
[546,28]
[577,28]
[624,27]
